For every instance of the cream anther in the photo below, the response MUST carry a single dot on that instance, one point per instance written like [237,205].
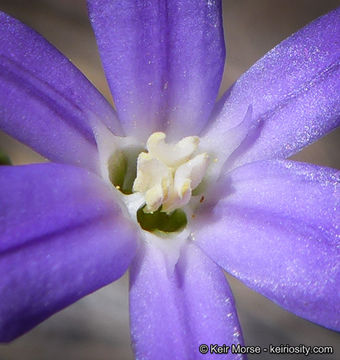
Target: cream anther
[168,173]
[172,155]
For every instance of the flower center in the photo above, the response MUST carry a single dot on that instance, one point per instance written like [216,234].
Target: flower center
[167,173]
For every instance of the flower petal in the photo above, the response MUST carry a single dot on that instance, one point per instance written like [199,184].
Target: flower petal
[163,60]
[294,91]
[62,236]
[45,102]
[172,314]
[276,229]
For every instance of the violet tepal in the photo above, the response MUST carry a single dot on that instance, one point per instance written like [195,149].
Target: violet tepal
[171,185]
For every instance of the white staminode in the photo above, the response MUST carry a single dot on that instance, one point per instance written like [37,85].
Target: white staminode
[167,173]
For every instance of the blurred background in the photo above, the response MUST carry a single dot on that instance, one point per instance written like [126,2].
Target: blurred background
[96,327]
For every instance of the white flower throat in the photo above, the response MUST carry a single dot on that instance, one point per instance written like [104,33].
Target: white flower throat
[167,173]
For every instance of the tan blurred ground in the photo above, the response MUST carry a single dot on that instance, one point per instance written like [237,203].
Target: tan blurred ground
[97,326]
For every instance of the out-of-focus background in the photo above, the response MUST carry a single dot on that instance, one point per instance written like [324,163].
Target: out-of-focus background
[96,327]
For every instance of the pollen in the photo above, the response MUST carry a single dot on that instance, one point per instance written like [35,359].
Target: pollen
[167,173]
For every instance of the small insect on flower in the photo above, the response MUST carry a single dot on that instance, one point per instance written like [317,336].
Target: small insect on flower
[171,185]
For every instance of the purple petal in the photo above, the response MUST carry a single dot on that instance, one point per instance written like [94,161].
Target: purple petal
[276,229]
[45,102]
[173,313]
[294,91]
[62,236]
[163,60]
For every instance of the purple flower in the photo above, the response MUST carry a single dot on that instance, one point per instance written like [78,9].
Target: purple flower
[215,194]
